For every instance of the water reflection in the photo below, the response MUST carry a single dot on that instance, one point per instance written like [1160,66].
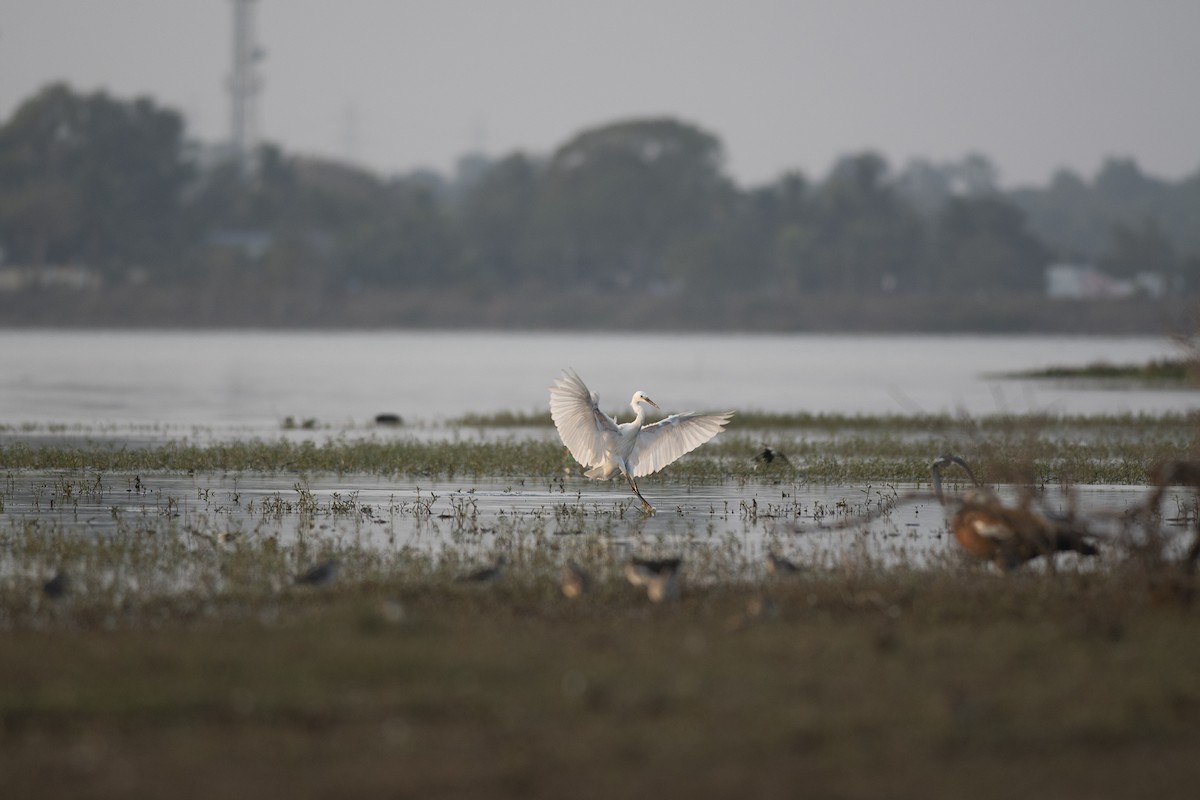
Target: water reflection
[813,524]
[253,380]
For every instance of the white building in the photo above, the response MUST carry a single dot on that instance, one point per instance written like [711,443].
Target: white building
[1085,282]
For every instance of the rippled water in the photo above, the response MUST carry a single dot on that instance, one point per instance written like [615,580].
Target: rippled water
[253,380]
[143,387]
[817,524]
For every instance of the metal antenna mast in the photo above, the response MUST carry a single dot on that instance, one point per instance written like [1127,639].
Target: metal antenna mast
[244,84]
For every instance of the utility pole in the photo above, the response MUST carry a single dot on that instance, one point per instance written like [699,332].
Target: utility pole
[244,85]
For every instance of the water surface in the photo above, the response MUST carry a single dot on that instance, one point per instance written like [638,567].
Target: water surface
[142,387]
[818,524]
[254,380]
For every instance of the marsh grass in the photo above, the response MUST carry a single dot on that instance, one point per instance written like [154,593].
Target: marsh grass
[399,677]
[184,659]
[1178,371]
[750,418]
[1116,449]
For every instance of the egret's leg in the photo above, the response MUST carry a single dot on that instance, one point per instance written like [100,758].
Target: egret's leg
[645,503]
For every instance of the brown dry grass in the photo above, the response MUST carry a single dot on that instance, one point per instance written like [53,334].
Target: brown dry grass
[945,682]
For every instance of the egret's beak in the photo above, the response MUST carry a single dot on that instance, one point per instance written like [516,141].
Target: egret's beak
[651,402]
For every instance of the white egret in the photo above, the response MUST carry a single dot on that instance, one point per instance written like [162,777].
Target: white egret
[632,449]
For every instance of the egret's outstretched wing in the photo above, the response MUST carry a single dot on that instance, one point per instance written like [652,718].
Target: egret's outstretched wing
[666,440]
[586,430]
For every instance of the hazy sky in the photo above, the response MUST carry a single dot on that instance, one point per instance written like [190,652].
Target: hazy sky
[397,84]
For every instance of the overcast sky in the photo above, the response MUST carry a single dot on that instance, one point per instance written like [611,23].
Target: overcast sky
[397,84]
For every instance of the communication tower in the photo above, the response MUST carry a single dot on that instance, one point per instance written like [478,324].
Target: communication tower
[244,84]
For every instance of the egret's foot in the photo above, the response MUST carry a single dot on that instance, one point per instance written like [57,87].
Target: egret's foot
[647,509]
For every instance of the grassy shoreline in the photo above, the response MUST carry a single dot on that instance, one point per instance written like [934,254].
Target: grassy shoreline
[1121,449]
[184,660]
[870,683]
[1179,372]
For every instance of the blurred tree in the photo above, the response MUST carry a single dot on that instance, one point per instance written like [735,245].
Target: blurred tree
[860,238]
[1075,217]
[614,198]
[1141,248]
[983,244]
[224,198]
[973,175]
[927,186]
[924,186]
[1179,216]
[86,178]
[493,219]
[236,220]
[736,252]
[1064,215]
[403,242]
[1121,184]
[321,223]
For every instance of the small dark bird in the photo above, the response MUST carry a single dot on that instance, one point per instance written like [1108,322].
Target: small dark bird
[57,586]
[1007,536]
[487,574]
[660,577]
[769,455]
[388,418]
[575,581]
[778,565]
[320,575]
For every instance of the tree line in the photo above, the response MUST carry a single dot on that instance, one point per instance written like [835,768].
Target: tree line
[117,186]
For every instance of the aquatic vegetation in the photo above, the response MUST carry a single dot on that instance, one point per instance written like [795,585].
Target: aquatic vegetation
[194,614]
[897,423]
[171,642]
[1158,371]
[1114,449]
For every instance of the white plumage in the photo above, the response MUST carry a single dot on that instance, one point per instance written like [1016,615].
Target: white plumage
[632,449]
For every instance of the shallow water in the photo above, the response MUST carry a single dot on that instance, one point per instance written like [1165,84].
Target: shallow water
[816,524]
[138,388]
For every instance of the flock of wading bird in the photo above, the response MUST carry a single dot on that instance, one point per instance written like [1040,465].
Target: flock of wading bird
[982,524]
[985,528]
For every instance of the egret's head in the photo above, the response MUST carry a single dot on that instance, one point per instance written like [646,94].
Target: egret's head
[639,398]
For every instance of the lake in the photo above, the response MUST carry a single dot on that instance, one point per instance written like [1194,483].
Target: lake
[133,387]
[252,380]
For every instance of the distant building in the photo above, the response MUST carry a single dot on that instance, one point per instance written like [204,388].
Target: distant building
[252,244]
[1085,282]
[49,276]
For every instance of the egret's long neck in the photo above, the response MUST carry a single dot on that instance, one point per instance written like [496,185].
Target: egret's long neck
[639,419]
